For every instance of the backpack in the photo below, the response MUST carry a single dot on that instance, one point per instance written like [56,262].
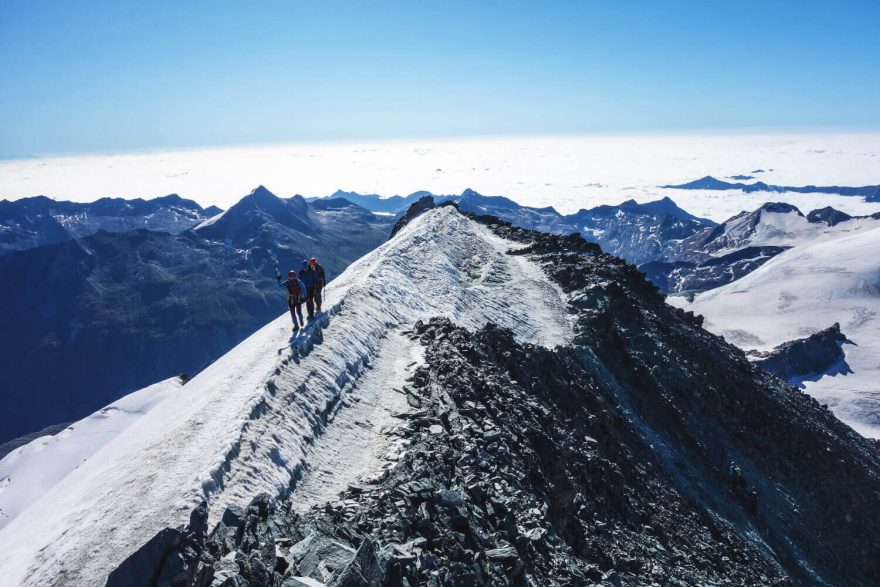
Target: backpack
[293,288]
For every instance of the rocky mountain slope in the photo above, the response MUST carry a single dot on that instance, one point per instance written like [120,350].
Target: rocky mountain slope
[288,228]
[246,424]
[37,221]
[557,424]
[146,305]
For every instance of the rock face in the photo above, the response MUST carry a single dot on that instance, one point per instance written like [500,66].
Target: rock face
[798,359]
[418,208]
[684,276]
[600,462]
[828,215]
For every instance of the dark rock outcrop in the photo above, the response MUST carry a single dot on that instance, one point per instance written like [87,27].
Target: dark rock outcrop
[828,215]
[803,358]
[415,210]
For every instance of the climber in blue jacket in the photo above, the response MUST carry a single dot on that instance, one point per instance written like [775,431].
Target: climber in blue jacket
[312,281]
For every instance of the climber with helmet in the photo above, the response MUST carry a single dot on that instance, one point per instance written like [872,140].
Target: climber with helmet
[322,281]
[309,277]
[737,479]
[296,294]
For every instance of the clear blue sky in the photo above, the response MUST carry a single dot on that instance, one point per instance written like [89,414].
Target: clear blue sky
[111,76]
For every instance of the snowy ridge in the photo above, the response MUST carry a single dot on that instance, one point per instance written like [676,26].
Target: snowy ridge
[247,423]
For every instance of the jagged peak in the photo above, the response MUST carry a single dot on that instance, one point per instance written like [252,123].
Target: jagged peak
[415,210]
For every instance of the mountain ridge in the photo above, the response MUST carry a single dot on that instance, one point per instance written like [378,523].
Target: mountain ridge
[598,454]
[157,303]
[870,193]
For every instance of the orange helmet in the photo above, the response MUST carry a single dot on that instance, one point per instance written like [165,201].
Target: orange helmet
[313,261]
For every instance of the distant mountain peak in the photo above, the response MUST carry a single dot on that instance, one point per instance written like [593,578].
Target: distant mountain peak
[260,192]
[828,215]
[468,192]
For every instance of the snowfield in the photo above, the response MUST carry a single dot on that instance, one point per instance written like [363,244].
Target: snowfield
[784,229]
[834,278]
[274,409]
[30,470]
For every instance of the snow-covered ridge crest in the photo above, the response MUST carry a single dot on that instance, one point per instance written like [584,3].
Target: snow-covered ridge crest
[245,424]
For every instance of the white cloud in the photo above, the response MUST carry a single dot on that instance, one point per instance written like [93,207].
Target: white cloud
[566,172]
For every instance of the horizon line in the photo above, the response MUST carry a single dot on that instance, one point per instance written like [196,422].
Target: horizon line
[672,133]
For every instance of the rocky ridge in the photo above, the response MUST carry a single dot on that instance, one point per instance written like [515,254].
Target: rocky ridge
[805,357]
[603,462]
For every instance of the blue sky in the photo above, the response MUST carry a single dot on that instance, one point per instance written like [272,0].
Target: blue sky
[80,77]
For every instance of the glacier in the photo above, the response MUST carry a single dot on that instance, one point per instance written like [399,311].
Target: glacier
[832,277]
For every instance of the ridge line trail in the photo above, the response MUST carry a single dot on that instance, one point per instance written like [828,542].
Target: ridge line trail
[358,440]
[252,421]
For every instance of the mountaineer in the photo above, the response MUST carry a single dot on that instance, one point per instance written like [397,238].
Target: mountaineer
[737,480]
[309,277]
[296,294]
[322,281]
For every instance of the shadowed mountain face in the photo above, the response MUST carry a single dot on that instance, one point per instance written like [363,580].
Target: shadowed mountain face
[92,319]
[32,222]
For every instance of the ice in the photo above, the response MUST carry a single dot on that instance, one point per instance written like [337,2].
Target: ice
[831,279]
[247,423]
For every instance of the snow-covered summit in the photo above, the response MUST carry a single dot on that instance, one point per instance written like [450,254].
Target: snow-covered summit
[772,224]
[245,424]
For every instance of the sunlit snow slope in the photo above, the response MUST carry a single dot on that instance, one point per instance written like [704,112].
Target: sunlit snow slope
[30,470]
[247,423]
[805,290]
